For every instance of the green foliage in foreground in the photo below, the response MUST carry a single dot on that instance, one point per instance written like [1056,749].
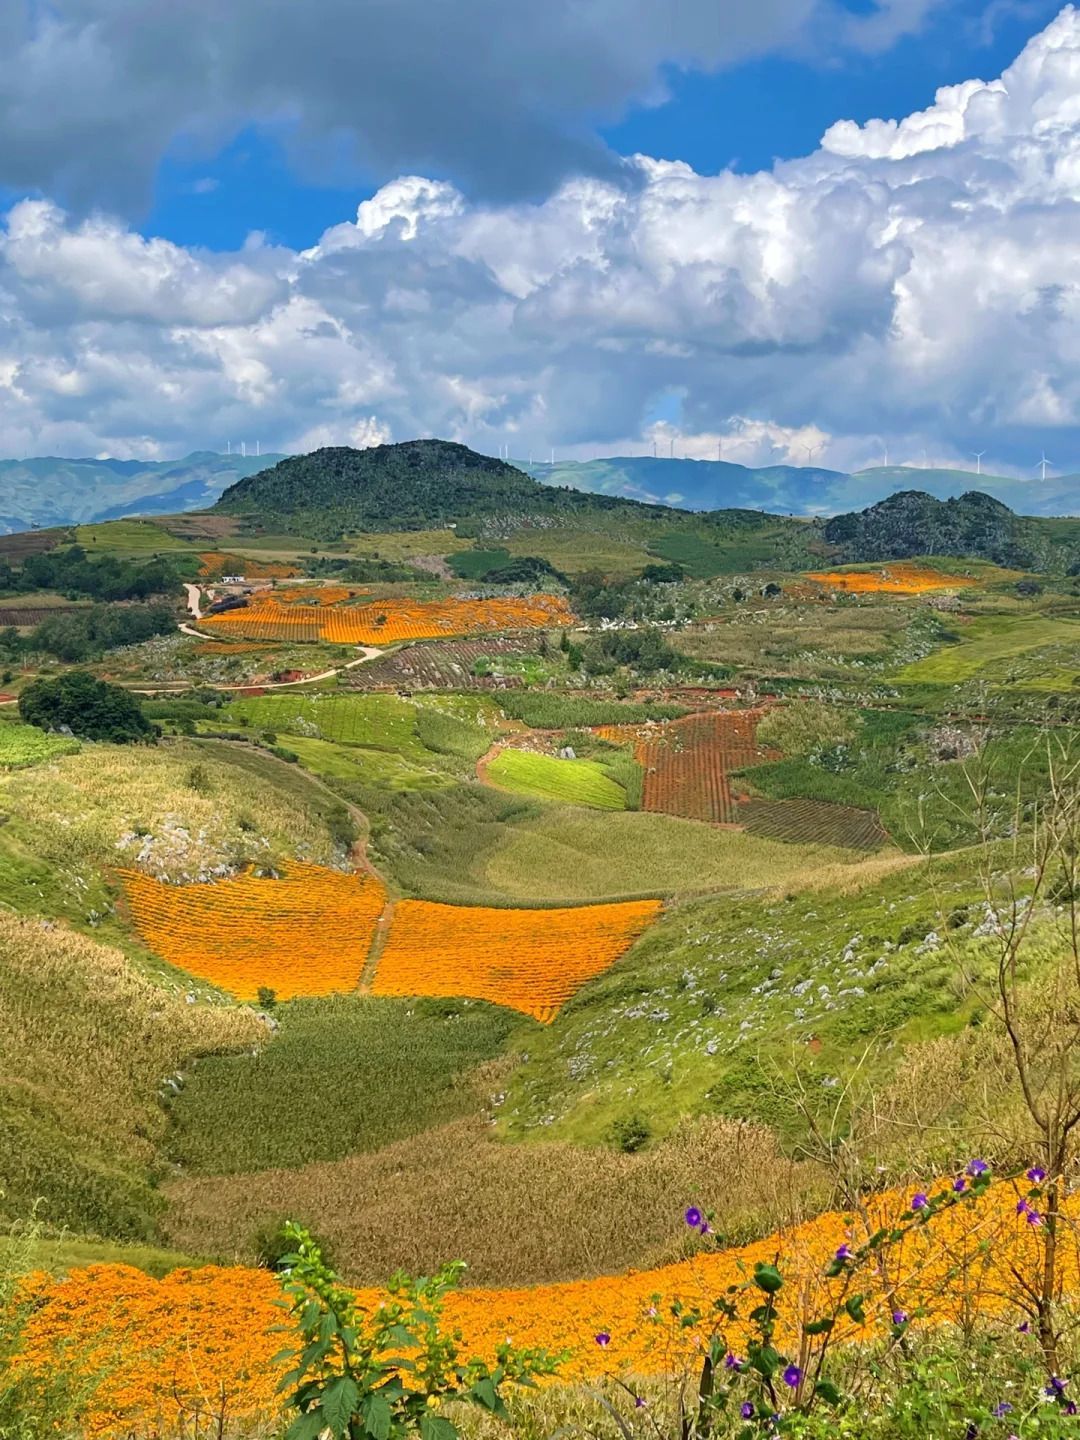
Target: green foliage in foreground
[22,745]
[391,1373]
[373,1070]
[91,709]
[571,782]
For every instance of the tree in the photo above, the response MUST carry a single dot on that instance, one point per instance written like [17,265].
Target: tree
[89,708]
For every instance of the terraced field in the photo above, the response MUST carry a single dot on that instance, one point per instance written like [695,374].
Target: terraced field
[801,821]
[446,666]
[570,782]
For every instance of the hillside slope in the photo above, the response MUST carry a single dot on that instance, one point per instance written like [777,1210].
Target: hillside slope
[399,487]
[54,491]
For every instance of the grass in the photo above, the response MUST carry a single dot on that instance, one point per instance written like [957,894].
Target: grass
[127,537]
[545,777]
[571,550]
[989,643]
[892,767]
[24,745]
[367,767]
[447,732]
[548,710]
[576,855]
[403,544]
[721,998]
[517,1214]
[59,1255]
[85,1045]
[475,564]
[343,1076]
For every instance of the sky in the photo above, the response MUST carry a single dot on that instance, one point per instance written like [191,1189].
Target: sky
[795,228]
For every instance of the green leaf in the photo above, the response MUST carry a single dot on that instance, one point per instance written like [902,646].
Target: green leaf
[818,1327]
[828,1392]
[768,1278]
[436,1427]
[306,1427]
[854,1308]
[377,1417]
[766,1361]
[339,1401]
[485,1392]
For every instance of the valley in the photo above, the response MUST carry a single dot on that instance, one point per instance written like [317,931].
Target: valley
[471,870]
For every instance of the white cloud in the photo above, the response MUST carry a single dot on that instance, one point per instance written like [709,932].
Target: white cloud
[913,283]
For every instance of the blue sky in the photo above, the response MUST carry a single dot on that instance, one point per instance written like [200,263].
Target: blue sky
[743,117]
[349,221]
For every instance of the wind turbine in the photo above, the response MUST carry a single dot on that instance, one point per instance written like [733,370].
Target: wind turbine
[811,451]
[1043,463]
[978,460]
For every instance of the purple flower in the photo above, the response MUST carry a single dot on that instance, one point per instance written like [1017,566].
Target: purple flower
[959,1184]
[1034,1218]
[844,1253]
[792,1376]
[732,1362]
[603,1339]
[640,1402]
[899,1317]
[919,1201]
[1070,1407]
[977,1167]
[694,1217]
[1001,1408]
[746,1410]
[1024,1327]
[1056,1386]
[1036,1174]
[1021,1207]
[705,1228]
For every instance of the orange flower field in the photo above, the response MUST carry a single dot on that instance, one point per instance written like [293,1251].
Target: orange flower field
[200,1336]
[896,578]
[530,960]
[385,622]
[307,933]
[216,563]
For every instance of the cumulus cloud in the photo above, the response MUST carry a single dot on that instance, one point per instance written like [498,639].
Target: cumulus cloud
[914,282]
[505,97]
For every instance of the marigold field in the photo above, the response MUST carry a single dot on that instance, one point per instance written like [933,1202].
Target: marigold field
[216,563]
[530,960]
[385,622]
[305,933]
[198,1337]
[898,578]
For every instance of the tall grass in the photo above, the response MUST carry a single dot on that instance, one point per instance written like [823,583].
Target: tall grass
[85,1045]
[548,710]
[517,1214]
[343,1075]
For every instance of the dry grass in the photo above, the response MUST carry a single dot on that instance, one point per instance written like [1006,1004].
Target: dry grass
[85,1044]
[518,1214]
[172,811]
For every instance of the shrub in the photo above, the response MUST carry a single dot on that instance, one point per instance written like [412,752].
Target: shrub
[630,1133]
[89,708]
[807,728]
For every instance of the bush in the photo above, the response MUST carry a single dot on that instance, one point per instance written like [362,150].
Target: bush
[806,727]
[630,1133]
[89,708]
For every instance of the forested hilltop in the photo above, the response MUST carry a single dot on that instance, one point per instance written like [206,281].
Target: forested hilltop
[404,487]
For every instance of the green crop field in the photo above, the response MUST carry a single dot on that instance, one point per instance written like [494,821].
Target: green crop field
[575,855]
[572,550]
[128,537]
[571,782]
[242,1113]
[23,745]
[991,644]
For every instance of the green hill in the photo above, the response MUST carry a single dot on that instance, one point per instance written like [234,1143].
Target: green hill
[413,485]
[972,526]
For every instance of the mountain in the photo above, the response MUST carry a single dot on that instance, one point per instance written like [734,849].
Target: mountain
[413,485]
[50,490]
[973,525]
[794,489]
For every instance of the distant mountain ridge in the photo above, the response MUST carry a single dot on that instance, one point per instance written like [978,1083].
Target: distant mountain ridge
[52,490]
[796,489]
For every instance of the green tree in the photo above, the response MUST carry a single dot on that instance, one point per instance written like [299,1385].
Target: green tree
[88,707]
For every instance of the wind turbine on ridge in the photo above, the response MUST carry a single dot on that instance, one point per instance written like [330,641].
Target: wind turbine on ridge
[978,460]
[1043,463]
